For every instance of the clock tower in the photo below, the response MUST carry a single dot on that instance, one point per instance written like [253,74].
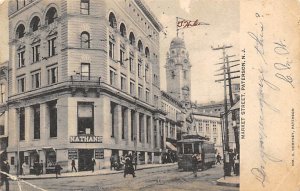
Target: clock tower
[178,72]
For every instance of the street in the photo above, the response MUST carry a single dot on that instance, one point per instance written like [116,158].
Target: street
[163,178]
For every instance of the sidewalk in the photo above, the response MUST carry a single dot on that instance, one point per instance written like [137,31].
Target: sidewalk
[233,181]
[90,173]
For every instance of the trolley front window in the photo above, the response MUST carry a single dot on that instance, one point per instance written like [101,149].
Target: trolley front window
[188,148]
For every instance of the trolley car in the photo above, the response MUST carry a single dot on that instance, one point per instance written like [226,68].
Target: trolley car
[195,144]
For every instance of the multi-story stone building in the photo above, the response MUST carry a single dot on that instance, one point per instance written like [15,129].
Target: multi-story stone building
[84,82]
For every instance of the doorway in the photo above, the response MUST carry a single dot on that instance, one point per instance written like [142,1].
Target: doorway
[85,157]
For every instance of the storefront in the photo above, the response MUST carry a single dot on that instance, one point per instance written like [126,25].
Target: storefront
[50,160]
[85,157]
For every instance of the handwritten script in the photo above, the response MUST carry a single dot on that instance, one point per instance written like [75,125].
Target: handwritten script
[268,87]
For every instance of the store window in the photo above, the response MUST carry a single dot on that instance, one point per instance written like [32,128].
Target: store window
[36,121]
[22,123]
[52,106]
[85,118]
[50,160]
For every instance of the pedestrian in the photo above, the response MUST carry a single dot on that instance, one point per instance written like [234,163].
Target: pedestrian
[128,167]
[36,167]
[58,168]
[237,164]
[195,164]
[231,161]
[23,168]
[111,162]
[4,177]
[41,167]
[218,158]
[73,165]
[93,164]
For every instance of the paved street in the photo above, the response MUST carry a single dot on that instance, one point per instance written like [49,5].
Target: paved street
[163,178]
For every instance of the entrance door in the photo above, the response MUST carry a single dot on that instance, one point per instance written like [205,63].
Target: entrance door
[85,159]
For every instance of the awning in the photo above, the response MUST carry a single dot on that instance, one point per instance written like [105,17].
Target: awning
[48,149]
[170,146]
[2,152]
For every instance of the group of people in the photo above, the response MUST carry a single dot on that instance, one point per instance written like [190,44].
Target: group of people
[169,157]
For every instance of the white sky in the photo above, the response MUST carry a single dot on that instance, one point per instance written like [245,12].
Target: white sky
[223,17]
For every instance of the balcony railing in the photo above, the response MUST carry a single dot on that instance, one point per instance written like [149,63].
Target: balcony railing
[78,79]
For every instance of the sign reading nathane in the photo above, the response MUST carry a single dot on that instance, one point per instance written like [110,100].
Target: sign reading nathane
[85,139]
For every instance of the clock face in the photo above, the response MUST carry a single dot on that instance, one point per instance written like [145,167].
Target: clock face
[171,62]
[185,61]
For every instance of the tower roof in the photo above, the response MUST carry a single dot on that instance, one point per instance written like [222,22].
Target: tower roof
[177,43]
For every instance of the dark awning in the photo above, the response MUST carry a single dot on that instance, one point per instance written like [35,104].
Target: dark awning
[170,146]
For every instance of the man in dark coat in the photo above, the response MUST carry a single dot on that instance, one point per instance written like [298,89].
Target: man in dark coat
[73,165]
[128,167]
[57,169]
[4,178]
[93,164]
[195,164]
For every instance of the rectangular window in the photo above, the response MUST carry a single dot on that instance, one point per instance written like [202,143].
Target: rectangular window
[146,74]
[21,58]
[36,121]
[140,69]
[53,118]
[2,93]
[156,100]
[85,115]
[111,50]
[85,7]
[132,88]
[122,57]
[36,80]
[131,64]
[140,92]
[52,75]
[147,129]
[112,114]
[21,85]
[147,95]
[22,123]
[185,74]
[85,71]
[52,47]
[112,77]
[36,53]
[123,83]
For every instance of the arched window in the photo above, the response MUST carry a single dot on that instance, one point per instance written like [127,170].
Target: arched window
[20,31]
[131,38]
[51,15]
[140,46]
[122,30]
[35,23]
[85,40]
[147,52]
[112,20]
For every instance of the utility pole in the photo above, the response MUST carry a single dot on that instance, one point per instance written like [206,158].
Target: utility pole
[226,73]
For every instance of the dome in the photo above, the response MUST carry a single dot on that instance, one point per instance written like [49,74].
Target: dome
[177,43]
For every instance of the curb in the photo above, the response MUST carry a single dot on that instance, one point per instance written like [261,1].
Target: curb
[95,174]
[230,184]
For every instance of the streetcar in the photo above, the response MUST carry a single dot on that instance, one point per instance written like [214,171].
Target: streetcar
[195,144]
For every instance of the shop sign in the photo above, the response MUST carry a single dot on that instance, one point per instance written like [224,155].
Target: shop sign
[85,139]
[99,153]
[72,154]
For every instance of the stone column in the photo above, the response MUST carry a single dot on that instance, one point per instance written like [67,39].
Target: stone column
[136,129]
[145,128]
[175,131]
[169,130]
[44,124]
[164,136]
[151,133]
[158,132]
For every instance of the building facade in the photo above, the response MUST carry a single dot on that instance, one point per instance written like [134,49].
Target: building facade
[83,83]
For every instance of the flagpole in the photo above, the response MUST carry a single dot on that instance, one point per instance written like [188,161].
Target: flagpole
[177,26]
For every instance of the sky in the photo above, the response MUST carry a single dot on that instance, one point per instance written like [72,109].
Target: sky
[223,17]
